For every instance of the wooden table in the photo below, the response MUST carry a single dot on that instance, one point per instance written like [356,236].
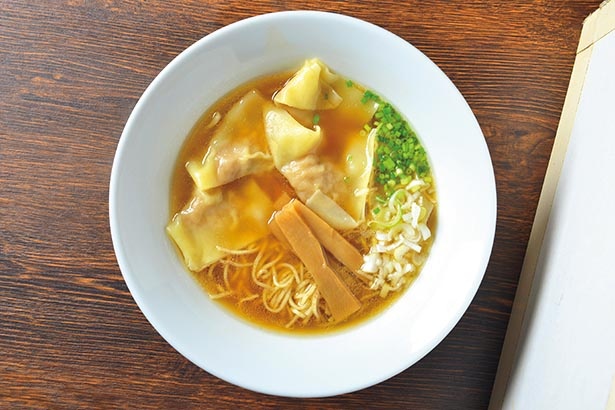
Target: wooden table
[71,335]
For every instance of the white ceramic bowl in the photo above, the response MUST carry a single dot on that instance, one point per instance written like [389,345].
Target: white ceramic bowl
[216,340]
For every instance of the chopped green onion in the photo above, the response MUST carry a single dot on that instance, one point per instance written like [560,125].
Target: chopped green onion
[400,156]
[316,119]
[391,223]
[370,96]
[415,188]
[388,164]
[349,83]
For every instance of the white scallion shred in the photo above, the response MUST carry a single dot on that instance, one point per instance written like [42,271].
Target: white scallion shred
[397,250]
[425,231]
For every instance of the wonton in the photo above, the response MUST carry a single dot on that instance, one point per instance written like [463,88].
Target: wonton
[310,88]
[215,221]
[238,147]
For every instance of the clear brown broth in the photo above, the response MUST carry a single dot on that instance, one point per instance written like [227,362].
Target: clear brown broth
[273,183]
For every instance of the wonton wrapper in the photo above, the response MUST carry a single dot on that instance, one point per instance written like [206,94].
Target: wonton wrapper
[231,218]
[358,173]
[288,140]
[310,174]
[237,148]
[310,88]
[344,179]
[358,155]
[352,102]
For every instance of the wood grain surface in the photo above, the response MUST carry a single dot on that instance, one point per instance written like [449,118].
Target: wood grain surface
[71,335]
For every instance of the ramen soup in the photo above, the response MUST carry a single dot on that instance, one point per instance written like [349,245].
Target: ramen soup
[303,202]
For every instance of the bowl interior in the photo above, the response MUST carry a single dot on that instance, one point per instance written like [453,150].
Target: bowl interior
[228,347]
